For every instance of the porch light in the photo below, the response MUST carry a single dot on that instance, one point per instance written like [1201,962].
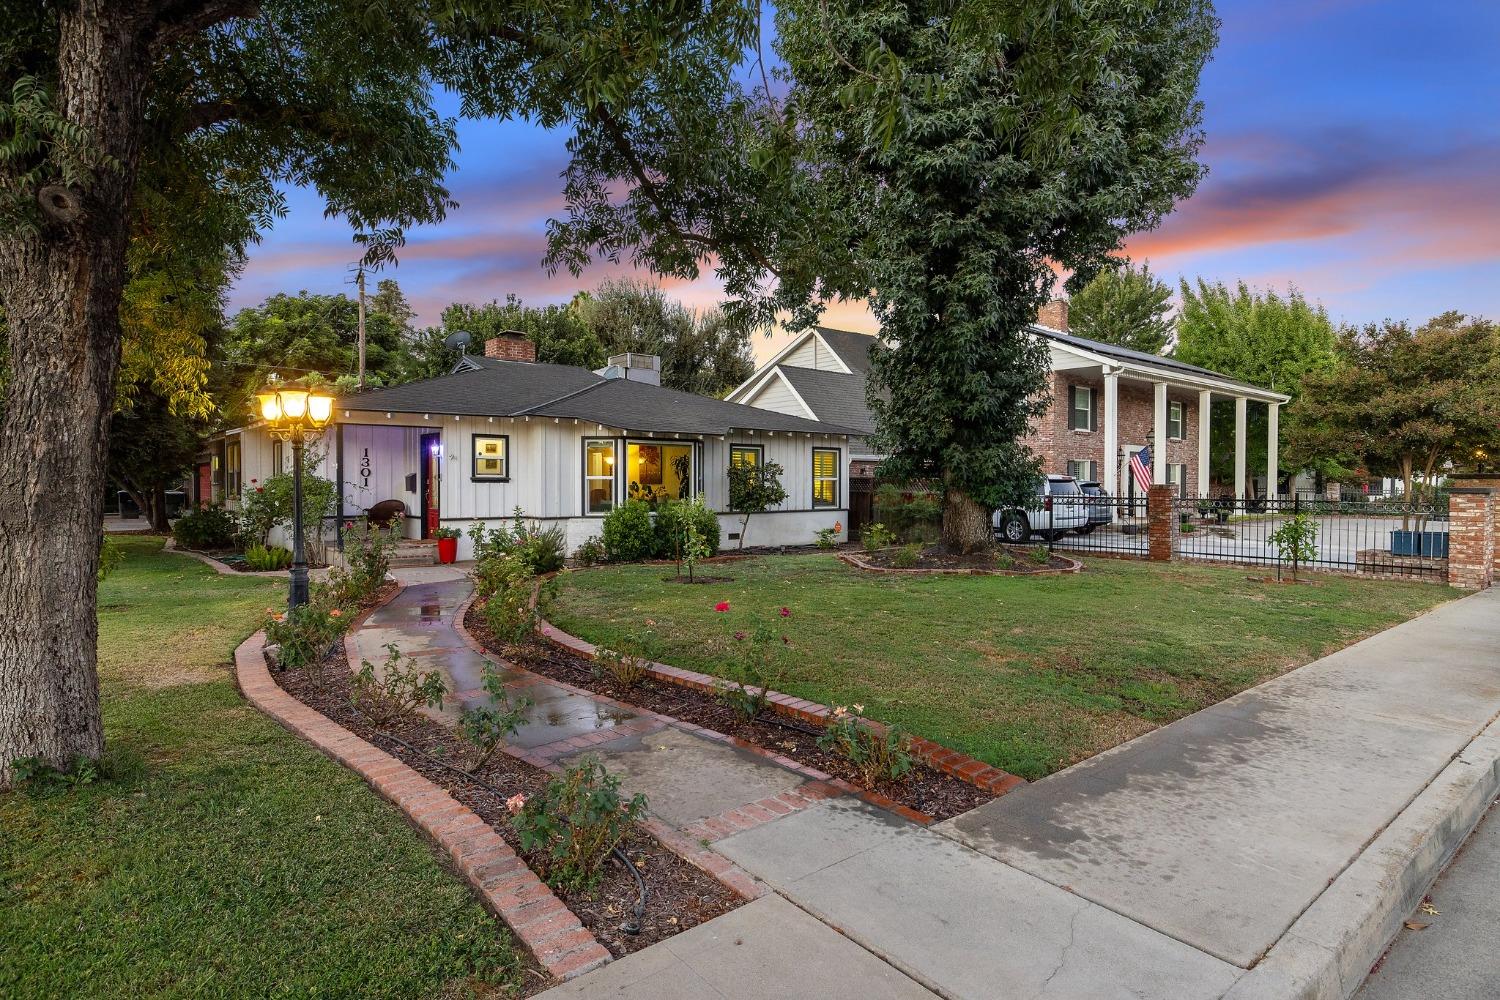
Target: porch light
[298,415]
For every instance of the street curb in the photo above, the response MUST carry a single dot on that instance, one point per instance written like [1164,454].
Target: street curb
[503,882]
[1329,951]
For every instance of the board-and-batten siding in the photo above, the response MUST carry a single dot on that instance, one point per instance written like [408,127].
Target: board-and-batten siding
[387,454]
[813,353]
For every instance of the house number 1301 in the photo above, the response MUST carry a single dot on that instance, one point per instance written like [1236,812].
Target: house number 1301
[364,469]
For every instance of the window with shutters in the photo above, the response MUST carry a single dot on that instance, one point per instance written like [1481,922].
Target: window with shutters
[825,476]
[1175,423]
[1081,408]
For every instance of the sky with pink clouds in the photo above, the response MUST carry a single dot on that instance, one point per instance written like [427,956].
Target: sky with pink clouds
[1353,151]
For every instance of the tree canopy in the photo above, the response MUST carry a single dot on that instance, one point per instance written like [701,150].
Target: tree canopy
[1402,402]
[1124,305]
[942,159]
[1260,337]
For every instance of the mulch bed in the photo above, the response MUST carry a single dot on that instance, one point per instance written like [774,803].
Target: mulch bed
[938,557]
[926,790]
[679,896]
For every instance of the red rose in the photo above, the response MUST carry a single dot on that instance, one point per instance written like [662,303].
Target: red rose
[785,612]
[722,606]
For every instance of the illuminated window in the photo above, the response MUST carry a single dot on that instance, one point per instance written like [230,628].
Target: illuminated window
[491,458]
[658,470]
[745,454]
[599,476]
[825,471]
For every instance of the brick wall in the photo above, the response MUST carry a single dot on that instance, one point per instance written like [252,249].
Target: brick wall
[1051,438]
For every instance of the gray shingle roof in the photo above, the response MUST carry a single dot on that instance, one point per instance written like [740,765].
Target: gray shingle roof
[1135,357]
[489,387]
[852,348]
[833,396]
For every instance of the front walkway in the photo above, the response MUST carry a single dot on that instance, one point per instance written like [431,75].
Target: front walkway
[1161,869]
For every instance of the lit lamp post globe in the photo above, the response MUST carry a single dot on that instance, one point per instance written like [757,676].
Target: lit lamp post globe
[296,415]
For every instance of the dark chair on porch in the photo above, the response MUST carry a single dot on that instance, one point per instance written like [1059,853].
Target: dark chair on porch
[385,513]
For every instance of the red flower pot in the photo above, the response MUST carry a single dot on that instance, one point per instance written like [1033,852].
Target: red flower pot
[447,550]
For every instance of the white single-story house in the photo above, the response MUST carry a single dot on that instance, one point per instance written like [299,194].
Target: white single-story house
[564,444]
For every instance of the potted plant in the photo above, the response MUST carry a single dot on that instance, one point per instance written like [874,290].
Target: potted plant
[447,544]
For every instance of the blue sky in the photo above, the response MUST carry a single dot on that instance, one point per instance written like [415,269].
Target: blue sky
[1353,147]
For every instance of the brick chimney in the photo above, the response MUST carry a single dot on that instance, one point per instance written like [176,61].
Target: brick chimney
[510,345]
[1054,314]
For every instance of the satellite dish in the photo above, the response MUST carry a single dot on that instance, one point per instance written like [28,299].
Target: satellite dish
[457,341]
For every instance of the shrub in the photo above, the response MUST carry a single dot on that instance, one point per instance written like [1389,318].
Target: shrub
[507,584]
[828,538]
[1296,541]
[876,756]
[628,533]
[110,557]
[489,726]
[878,536]
[542,549]
[1039,555]
[260,512]
[590,552]
[367,558]
[907,556]
[914,513]
[1004,560]
[269,505]
[306,633]
[756,658]
[629,664]
[208,527]
[398,692]
[575,822]
[263,558]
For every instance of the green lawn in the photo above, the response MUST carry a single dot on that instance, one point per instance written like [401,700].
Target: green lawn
[222,857]
[1028,674]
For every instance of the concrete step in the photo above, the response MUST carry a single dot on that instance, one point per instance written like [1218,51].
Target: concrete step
[414,554]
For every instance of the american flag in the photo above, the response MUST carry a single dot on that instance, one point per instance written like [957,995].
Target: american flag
[1140,468]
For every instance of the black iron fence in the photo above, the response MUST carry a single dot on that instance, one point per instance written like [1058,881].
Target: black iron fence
[1378,535]
[1100,524]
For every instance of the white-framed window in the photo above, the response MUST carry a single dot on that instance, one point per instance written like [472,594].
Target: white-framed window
[825,477]
[1177,476]
[491,458]
[276,457]
[1082,415]
[1176,425]
[232,468]
[598,475]
[658,470]
[1083,471]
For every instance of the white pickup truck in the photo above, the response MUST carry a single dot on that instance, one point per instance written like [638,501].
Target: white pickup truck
[1045,517]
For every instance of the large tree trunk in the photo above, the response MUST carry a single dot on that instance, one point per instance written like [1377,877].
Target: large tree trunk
[60,284]
[966,524]
[159,520]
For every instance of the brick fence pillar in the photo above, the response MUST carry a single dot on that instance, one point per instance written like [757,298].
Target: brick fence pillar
[1489,481]
[1471,537]
[1161,522]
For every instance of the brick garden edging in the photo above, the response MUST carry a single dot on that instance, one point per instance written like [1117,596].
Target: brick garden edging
[934,755]
[509,889]
[1074,566]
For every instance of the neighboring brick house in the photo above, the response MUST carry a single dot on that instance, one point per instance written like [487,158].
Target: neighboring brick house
[1107,403]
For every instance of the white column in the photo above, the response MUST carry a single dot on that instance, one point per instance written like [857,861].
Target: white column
[1239,447]
[1159,437]
[1273,448]
[1205,425]
[1111,432]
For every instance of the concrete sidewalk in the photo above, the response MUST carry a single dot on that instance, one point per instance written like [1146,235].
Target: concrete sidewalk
[1220,829]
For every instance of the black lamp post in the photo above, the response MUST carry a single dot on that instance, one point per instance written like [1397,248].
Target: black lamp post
[296,415]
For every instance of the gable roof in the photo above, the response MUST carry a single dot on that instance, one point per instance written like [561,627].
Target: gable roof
[488,387]
[1117,353]
[832,396]
[853,349]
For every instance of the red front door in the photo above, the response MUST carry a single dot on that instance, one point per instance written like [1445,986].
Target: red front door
[205,483]
[432,482]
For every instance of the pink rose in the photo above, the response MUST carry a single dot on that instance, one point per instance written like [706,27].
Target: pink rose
[515,803]
[785,612]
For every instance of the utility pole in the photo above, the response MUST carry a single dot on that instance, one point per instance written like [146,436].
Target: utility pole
[360,280]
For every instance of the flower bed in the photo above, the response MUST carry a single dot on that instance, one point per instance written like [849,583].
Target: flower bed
[925,789]
[998,561]
[679,895]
